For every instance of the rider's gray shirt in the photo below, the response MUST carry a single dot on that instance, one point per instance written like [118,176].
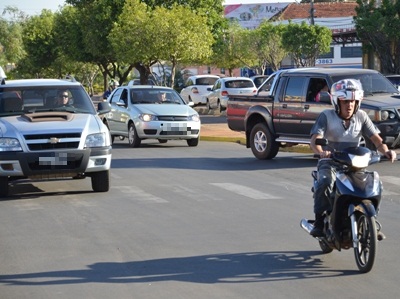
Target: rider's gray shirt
[331,127]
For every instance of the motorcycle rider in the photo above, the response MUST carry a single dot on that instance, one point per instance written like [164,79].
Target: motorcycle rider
[343,127]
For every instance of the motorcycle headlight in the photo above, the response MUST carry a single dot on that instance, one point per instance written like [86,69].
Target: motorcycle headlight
[10,145]
[96,140]
[194,117]
[148,117]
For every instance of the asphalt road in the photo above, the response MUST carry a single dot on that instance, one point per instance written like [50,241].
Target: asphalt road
[180,222]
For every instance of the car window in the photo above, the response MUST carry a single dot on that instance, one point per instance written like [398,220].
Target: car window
[217,84]
[116,96]
[152,96]
[259,80]
[239,84]
[189,82]
[294,89]
[206,81]
[372,83]
[44,98]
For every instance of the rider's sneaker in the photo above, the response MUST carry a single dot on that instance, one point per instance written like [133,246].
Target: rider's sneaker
[318,230]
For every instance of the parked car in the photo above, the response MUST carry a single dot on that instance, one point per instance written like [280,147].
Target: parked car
[137,82]
[141,112]
[196,87]
[259,79]
[217,97]
[50,129]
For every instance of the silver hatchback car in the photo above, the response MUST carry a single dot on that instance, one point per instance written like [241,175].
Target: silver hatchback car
[141,112]
[218,95]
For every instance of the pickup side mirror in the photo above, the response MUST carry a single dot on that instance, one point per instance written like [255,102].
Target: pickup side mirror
[325,97]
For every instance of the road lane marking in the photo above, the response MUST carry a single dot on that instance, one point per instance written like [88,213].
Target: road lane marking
[245,191]
[139,194]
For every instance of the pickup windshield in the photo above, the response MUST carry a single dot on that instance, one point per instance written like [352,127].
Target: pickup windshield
[371,83]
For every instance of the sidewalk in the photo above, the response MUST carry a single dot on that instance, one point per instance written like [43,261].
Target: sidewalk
[219,130]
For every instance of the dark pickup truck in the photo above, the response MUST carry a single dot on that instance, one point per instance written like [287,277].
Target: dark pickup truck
[284,108]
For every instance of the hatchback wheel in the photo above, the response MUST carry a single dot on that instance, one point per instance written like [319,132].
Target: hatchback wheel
[134,140]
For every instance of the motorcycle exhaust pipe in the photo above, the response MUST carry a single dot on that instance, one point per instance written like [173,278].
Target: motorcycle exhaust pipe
[307,225]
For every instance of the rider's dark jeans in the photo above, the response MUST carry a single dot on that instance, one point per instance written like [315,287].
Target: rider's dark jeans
[324,187]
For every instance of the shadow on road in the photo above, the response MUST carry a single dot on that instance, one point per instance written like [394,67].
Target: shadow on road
[246,267]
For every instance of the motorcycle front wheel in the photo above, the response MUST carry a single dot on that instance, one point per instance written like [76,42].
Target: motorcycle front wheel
[366,249]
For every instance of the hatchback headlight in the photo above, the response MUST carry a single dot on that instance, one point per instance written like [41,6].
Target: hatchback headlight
[10,145]
[194,117]
[96,140]
[148,117]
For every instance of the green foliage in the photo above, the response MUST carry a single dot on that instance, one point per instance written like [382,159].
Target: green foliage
[379,29]
[306,42]
[269,45]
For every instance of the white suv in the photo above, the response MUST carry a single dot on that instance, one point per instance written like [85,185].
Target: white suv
[49,129]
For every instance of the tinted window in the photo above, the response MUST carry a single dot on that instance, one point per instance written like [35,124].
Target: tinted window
[239,84]
[294,89]
[206,81]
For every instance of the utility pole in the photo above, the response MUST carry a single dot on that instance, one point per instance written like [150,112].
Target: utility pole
[312,12]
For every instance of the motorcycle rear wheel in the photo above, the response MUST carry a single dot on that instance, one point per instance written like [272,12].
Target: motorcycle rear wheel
[366,250]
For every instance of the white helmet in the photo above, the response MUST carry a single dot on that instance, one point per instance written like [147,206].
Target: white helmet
[347,89]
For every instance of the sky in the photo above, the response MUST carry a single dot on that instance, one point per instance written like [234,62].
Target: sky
[33,7]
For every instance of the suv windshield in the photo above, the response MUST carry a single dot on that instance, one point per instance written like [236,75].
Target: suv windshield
[20,100]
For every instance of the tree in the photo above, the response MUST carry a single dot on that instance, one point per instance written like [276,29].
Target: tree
[40,45]
[306,42]
[11,45]
[227,47]
[379,29]
[269,45]
[183,36]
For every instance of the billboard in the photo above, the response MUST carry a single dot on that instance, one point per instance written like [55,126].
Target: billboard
[251,15]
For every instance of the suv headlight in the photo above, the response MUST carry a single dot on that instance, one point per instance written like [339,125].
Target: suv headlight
[194,117]
[96,140]
[148,117]
[10,145]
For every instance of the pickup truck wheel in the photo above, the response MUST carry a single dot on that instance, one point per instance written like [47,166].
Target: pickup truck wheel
[100,181]
[134,140]
[3,186]
[193,141]
[263,146]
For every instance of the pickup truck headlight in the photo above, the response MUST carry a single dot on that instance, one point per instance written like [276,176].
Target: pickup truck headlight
[96,140]
[194,117]
[10,145]
[385,115]
[148,117]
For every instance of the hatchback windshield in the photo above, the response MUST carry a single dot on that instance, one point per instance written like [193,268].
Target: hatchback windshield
[155,95]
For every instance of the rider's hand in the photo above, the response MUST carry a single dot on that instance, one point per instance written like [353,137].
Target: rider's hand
[325,154]
[391,155]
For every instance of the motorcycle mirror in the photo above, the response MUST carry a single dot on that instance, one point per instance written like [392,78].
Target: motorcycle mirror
[321,141]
